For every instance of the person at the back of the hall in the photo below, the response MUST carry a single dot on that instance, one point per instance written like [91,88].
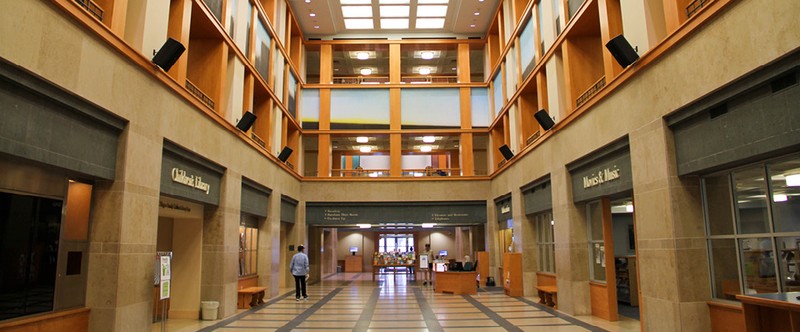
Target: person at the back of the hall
[426,270]
[299,269]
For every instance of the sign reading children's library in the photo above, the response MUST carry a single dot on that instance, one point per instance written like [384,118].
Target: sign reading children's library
[184,174]
[461,212]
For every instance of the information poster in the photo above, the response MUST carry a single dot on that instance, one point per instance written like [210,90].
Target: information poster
[166,275]
[423,262]
[164,289]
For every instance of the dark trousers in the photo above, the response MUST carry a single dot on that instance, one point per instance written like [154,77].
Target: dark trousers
[299,284]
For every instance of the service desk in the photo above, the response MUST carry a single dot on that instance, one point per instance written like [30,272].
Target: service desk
[456,282]
[771,311]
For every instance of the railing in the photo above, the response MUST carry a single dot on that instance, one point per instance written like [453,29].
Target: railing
[92,8]
[199,94]
[694,6]
[258,140]
[589,93]
[533,138]
[423,172]
[429,79]
[361,80]
[372,173]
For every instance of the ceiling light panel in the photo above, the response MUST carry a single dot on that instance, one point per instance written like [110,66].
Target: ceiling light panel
[394,23]
[394,11]
[355,2]
[429,2]
[430,23]
[427,55]
[356,11]
[431,11]
[358,23]
[394,2]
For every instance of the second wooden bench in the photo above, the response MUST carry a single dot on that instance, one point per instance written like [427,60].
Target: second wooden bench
[548,295]
[256,295]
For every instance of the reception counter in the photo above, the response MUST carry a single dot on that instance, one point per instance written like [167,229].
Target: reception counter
[771,312]
[456,282]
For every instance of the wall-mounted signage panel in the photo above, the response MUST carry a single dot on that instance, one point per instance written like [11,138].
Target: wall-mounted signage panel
[341,213]
[602,173]
[187,175]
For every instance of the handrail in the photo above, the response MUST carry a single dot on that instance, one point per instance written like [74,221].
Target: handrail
[92,8]
[200,94]
[533,138]
[590,92]
[694,6]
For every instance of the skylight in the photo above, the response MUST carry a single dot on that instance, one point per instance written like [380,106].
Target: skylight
[358,23]
[394,23]
[430,23]
[432,11]
[394,11]
[356,11]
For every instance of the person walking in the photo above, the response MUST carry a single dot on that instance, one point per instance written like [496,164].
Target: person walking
[299,269]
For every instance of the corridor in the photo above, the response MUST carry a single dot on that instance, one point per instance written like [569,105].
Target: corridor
[353,302]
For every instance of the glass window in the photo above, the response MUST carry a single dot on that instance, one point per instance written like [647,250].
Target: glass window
[497,88]
[29,234]
[751,201]
[597,264]
[527,50]
[248,245]
[720,209]
[545,242]
[785,189]
[262,48]
[762,249]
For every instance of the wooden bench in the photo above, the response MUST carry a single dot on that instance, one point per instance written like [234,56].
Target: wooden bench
[256,296]
[548,295]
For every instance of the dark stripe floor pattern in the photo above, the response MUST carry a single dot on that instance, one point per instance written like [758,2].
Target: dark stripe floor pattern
[347,302]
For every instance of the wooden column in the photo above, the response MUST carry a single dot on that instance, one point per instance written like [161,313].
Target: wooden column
[464,70]
[180,15]
[325,65]
[394,64]
[610,27]
[395,155]
[324,147]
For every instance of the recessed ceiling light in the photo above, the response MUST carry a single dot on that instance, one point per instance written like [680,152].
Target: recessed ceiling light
[472,25]
[431,11]
[362,139]
[362,55]
[394,23]
[316,27]
[425,148]
[428,139]
[424,71]
[356,11]
[366,71]
[477,13]
[308,1]
[358,23]
[426,55]
[394,11]
[312,14]
[430,23]
[365,149]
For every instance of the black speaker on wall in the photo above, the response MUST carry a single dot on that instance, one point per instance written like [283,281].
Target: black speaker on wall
[168,54]
[285,153]
[622,51]
[246,122]
[544,119]
[506,152]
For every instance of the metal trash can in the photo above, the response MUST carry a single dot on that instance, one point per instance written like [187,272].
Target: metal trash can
[209,310]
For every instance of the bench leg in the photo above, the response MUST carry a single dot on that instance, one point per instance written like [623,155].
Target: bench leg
[254,300]
[555,300]
[542,296]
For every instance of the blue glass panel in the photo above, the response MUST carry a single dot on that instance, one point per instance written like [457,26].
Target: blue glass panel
[430,108]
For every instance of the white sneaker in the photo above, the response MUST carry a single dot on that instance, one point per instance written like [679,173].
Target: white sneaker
[297,299]
[305,298]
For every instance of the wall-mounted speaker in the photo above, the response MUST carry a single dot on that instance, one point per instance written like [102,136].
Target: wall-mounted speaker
[622,51]
[285,153]
[506,152]
[168,54]
[246,122]
[544,119]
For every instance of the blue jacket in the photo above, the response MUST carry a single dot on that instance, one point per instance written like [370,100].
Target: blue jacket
[299,265]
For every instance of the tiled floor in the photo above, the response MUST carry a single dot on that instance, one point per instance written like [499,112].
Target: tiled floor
[353,302]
